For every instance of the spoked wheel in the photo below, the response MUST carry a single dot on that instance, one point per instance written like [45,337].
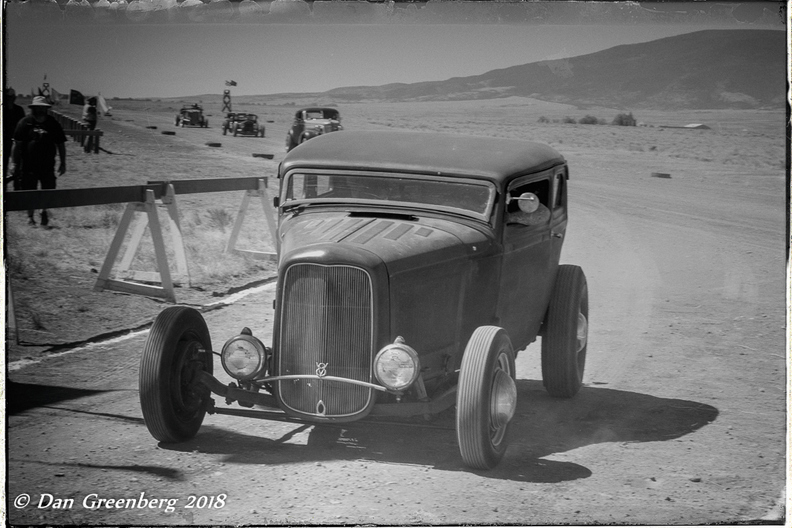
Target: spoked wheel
[486,397]
[565,338]
[177,350]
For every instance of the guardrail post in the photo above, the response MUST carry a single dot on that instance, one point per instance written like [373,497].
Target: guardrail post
[104,282]
[269,215]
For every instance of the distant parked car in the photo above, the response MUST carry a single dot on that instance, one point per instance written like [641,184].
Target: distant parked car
[311,122]
[191,116]
[411,269]
[247,125]
[229,124]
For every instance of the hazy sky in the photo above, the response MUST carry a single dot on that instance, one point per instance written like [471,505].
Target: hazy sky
[170,59]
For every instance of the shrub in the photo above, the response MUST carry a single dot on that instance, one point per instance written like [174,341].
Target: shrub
[220,218]
[624,120]
[543,119]
[569,120]
[588,120]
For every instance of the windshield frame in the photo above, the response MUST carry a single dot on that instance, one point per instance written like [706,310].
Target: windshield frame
[484,216]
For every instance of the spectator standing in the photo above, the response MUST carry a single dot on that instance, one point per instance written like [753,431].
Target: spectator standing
[37,138]
[89,118]
[12,114]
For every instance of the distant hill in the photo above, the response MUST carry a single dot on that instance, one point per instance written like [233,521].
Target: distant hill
[704,69]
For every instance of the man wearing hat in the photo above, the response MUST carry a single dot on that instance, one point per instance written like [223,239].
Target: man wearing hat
[36,140]
[12,114]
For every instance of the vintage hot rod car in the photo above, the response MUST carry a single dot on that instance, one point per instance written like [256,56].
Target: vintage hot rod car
[229,123]
[411,269]
[191,116]
[247,125]
[312,122]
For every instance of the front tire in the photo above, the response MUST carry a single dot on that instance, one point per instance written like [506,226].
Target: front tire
[486,397]
[565,338]
[172,399]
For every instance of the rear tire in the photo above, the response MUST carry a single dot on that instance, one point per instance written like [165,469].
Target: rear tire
[172,399]
[565,339]
[488,363]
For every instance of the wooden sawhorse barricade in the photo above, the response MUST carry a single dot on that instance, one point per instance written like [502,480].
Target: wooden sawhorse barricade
[146,199]
[167,191]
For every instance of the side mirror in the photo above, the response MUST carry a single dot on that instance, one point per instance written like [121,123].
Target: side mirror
[527,202]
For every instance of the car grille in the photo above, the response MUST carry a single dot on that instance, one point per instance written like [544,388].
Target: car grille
[326,329]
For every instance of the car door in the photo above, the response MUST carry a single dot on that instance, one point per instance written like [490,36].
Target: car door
[529,260]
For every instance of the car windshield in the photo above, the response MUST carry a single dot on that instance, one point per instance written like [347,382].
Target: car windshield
[469,196]
[321,114]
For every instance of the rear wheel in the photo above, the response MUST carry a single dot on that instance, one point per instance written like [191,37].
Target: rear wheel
[486,397]
[172,399]
[565,338]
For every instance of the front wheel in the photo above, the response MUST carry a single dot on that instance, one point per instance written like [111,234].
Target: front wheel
[486,397]
[172,399]
[565,338]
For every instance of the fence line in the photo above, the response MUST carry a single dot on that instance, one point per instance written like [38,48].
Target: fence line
[78,130]
[55,198]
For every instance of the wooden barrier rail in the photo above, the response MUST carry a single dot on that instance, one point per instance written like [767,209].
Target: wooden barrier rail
[54,198]
[143,198]
[78,130]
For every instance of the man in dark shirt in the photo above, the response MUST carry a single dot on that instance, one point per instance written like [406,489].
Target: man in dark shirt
[12,114]
[36,140]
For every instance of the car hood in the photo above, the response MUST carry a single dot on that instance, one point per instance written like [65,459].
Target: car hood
[401,244]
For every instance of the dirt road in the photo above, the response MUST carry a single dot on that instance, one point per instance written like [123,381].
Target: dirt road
[681,420]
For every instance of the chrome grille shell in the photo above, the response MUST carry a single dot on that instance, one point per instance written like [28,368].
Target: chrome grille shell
[326,324]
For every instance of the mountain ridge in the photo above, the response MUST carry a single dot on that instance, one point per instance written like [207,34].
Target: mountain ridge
[703,69]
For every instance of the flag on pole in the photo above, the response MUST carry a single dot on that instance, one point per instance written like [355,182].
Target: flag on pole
[76,98]
[55,96]
[231,83]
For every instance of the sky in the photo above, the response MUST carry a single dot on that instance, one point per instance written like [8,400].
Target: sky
[180,57]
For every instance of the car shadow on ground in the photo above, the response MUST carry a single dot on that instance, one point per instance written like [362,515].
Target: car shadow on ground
[542,426]
[25,396]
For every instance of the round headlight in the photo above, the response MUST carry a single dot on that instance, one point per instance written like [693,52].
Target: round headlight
[397,366]
[244,357]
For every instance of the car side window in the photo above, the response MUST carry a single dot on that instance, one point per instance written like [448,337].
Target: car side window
[559,189]
[516,216]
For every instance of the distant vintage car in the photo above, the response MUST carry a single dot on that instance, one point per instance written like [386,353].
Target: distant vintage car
[191,116]
[312,122]
[411,269]
[248,125]
[229,123]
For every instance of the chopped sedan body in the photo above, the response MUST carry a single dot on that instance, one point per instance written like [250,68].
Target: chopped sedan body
[312,122]
[411,268]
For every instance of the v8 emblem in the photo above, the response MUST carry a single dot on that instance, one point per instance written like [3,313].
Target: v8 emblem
[321,369]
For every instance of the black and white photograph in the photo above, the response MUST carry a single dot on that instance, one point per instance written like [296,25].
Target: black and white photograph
[247,282]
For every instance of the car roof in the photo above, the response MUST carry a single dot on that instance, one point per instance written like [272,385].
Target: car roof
[496,159]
